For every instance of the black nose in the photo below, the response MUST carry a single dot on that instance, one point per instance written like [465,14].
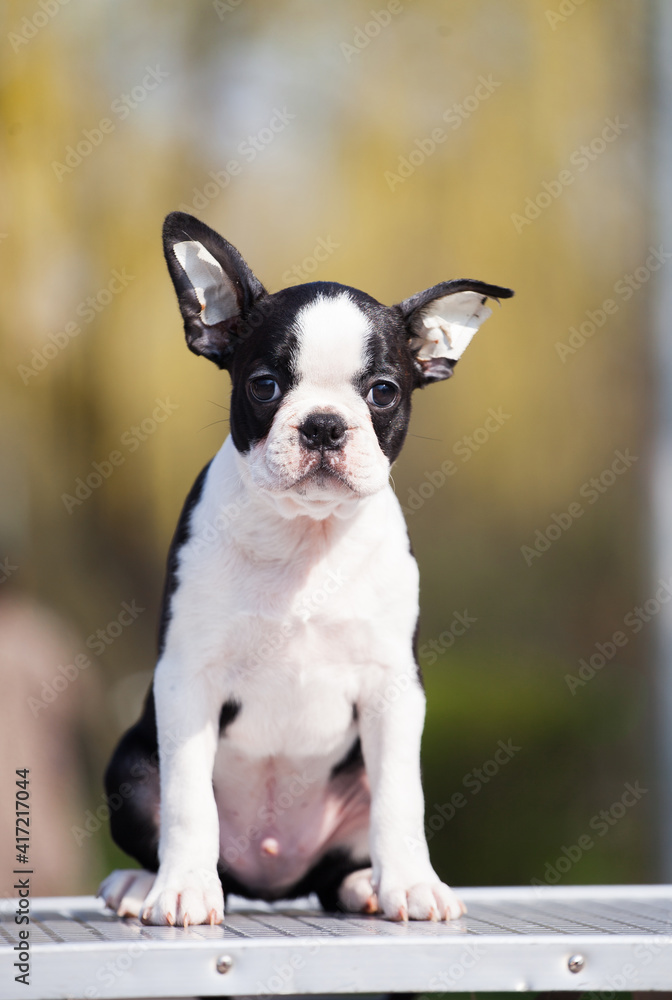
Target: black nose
[322,431]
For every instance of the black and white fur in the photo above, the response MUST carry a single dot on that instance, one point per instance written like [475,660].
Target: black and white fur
[279,749]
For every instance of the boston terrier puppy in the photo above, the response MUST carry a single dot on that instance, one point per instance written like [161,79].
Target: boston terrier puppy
[278,753]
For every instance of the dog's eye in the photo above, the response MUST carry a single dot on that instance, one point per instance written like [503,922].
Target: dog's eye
[383,394]
[264,389]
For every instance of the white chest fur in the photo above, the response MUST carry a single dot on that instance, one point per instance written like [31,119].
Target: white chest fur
[290,618]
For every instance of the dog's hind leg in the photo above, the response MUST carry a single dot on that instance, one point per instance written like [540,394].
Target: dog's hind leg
[125,891]
[356,893]
[132,788]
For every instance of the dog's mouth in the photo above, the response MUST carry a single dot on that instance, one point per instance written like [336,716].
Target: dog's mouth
[319,490]
[323,477]
[316,480]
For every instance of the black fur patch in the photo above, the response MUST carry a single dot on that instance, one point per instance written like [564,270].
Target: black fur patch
[326,876]
[324,879]
[388,356]
[352,761]
[230,710]
[182,534]
[416,657]
[267,345]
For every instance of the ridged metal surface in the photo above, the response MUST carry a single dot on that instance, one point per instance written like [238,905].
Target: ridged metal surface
[619,938]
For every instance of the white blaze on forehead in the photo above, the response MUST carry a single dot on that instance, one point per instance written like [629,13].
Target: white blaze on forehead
[332,337]
[213,288]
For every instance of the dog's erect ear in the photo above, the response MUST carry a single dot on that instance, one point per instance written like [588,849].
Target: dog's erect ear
[442,320]
[215,287]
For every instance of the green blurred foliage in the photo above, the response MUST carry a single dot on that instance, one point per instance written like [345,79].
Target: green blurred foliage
[516,768]
[324,177]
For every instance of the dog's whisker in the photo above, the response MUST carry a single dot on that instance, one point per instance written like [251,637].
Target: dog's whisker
[224,420]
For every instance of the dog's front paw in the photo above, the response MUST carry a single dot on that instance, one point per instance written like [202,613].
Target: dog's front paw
[185,897]
[424,899]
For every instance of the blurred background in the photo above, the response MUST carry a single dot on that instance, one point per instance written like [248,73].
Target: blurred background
[389,147]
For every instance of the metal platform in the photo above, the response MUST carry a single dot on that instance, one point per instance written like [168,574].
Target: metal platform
[616,938]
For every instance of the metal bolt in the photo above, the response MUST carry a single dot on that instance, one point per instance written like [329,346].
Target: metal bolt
[224,964]
[575,963]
